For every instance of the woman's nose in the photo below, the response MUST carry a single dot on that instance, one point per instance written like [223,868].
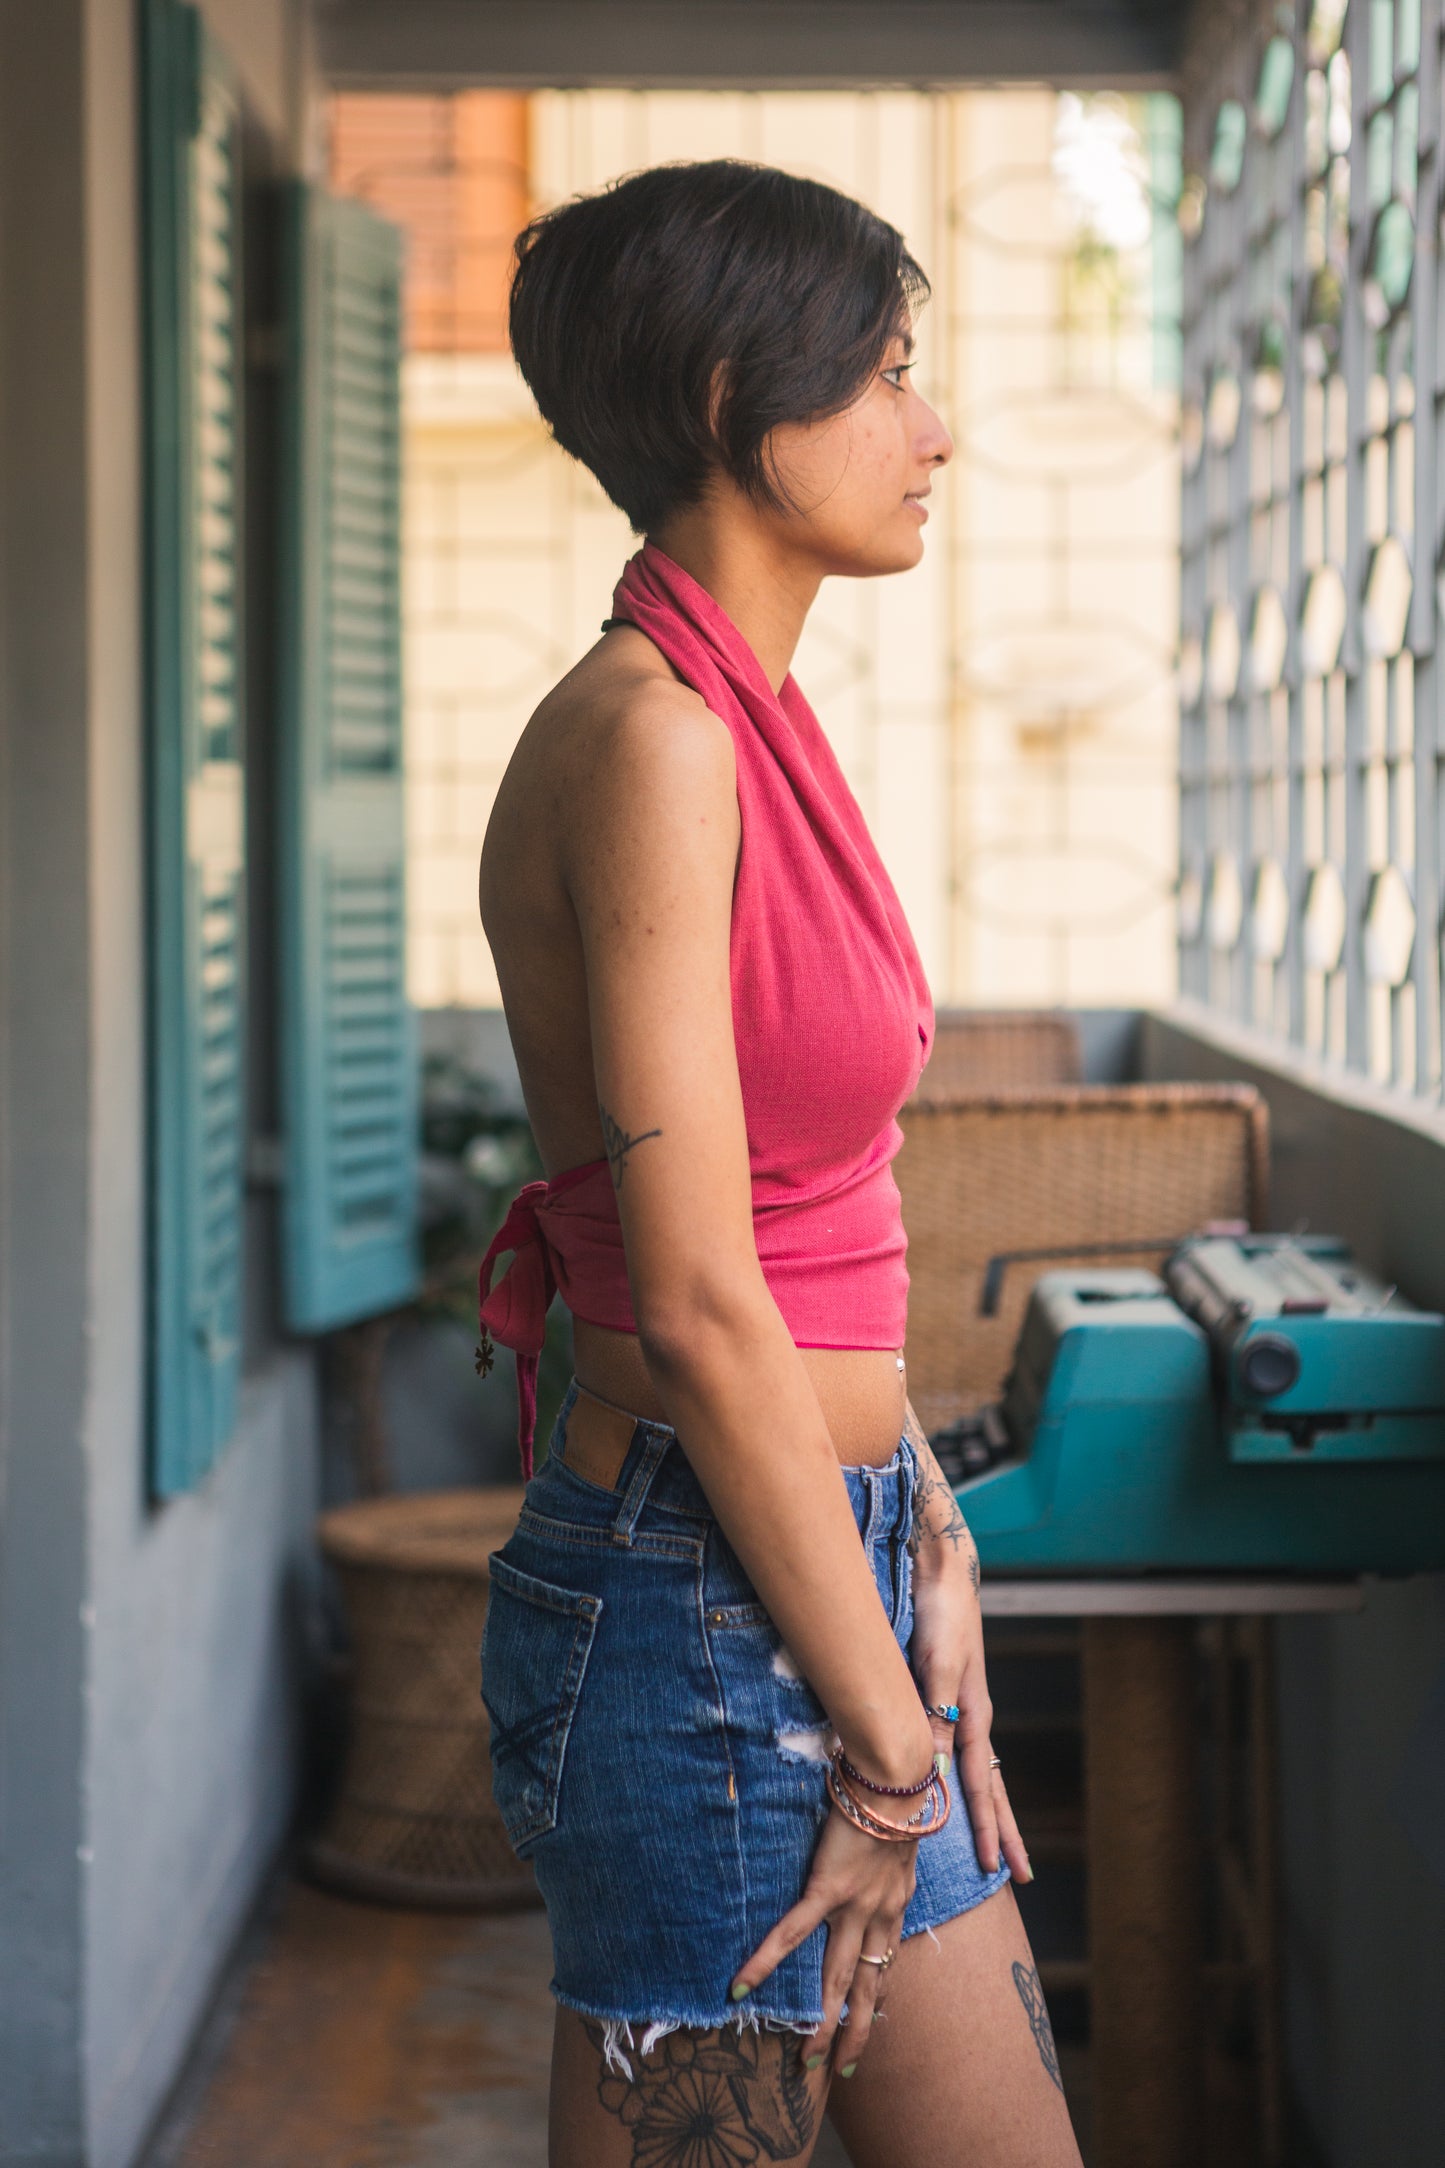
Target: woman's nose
[937,446]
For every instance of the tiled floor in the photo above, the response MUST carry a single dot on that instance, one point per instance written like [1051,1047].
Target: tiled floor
[359,2037]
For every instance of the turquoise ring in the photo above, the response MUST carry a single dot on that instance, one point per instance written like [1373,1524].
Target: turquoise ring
[948,1711]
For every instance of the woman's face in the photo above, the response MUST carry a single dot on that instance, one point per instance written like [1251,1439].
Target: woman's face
[860,479]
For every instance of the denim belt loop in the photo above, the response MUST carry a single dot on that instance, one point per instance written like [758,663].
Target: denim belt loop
[869,1528]
[655,1444]
[908,1488]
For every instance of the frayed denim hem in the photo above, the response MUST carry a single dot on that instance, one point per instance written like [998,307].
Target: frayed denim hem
[939,1915]
[640,2035]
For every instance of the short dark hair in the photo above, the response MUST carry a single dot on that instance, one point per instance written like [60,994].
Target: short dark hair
[628,306]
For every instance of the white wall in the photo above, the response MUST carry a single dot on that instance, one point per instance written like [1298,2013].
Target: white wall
[150,1655]
[1005,711]
[512,550]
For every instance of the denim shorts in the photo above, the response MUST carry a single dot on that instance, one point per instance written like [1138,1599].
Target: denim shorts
[655,1752]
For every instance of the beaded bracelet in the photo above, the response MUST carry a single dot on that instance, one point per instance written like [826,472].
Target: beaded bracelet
[873,1826]
[926,1813]
[889,1791]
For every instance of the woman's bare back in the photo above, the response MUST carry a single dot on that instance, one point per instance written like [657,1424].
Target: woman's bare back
[543,818]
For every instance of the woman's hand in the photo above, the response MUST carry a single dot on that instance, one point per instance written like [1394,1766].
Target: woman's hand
[860,1886]
[947,1657]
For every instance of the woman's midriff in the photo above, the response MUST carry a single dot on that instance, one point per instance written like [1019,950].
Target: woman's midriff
[861,1391]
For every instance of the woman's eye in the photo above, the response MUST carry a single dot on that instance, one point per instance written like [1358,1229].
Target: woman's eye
[891,376]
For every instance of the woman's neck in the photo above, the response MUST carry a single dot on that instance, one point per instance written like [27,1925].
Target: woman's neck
[762,585]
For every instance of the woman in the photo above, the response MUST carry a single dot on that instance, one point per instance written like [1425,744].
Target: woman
[706,1731]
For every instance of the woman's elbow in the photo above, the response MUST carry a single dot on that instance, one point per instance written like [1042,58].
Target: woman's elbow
[699,1322]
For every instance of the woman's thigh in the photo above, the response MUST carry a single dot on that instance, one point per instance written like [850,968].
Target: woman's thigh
[724,2099]
[961,2067]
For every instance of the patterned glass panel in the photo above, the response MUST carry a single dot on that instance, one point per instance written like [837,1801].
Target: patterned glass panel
[1323,776]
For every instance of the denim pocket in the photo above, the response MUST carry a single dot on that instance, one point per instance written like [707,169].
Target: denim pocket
[535,1647]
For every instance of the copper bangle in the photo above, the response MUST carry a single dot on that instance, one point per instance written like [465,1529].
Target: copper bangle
[873,1825]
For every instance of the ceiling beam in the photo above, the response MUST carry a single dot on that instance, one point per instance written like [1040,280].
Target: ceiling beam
[744,44]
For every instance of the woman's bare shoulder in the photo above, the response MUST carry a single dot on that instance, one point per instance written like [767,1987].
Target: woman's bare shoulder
[620,756]
[620,735]
[630,705]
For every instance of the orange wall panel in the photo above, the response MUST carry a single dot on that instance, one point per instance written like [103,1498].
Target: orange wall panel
[452,171]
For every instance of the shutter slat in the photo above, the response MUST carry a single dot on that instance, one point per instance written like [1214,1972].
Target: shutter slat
[348,1055]
[196,844]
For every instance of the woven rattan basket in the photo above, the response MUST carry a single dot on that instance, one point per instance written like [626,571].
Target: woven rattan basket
[414,1822]
[992,1050]
[983,1177]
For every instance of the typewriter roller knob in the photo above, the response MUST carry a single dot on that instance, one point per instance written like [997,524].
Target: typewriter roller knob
[1268,1365]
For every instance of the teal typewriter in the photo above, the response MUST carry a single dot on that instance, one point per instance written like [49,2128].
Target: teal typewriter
[1266,1405]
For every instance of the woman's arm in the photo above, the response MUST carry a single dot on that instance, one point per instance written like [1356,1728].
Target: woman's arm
[947,1653]
[650,867]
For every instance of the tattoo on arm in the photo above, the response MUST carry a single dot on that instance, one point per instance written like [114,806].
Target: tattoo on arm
[936,1516]
[1031,1995]
[711,2099]
[618,1144]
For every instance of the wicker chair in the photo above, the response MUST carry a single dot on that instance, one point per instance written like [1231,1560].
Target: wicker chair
[992,1050]
[413,1822]
[988,1176]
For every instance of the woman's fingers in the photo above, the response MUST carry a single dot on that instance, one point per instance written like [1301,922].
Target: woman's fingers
[1008,1830]
[855,2030]
[978,1789]
[794,1927]
[840,1963]
[974,1755]
[945,1738]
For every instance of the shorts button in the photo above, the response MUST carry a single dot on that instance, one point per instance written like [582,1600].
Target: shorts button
[715,1618]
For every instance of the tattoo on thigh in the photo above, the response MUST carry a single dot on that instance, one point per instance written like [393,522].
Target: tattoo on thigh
[712,2100]
[1031,1995]
[617,1144]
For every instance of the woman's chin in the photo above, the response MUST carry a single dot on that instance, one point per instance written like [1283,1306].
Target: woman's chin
[881,553]
[895,553]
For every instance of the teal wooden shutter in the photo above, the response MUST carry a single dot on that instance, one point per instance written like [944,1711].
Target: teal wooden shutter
[349,1072]
[196,829]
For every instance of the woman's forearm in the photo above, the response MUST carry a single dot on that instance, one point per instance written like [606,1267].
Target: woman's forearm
[741,1400]
[940,1532]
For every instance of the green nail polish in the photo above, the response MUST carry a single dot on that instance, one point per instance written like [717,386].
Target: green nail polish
[739,1989]
[848,2070]
[812,2062]
[940,1763]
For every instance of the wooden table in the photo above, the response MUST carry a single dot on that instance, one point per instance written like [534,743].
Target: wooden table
[1143,1837]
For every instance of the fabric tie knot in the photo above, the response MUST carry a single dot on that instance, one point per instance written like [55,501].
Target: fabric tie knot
[515,1310]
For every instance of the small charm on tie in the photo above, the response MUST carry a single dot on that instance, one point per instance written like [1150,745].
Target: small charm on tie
[486,1354]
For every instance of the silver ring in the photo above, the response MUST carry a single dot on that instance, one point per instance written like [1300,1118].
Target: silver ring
[994,1762]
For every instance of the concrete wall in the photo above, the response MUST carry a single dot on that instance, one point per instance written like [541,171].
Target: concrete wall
[46,1076]
[148,1657]
[1361,1700]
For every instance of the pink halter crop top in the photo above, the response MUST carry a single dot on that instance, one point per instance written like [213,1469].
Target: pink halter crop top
[832,1019]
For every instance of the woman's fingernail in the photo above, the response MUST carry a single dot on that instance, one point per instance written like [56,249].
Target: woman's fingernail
[940,1763]
[739,1989]
[847,2070]
[812,2062]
